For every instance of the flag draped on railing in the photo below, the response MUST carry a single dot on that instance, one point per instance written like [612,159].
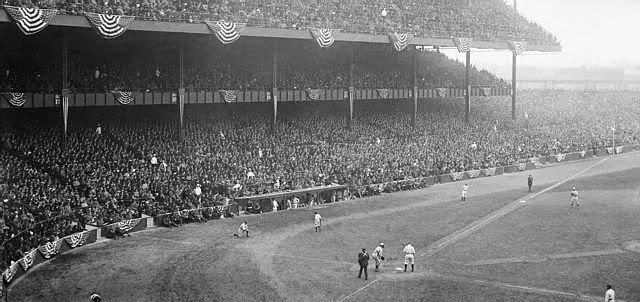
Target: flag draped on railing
[486,91]
[324,36]
[10,272]
[313,94]
[618,149]
[226,32]
[457,175]
[30,20]
[473,173]
[384,93]
[582,153]
[463,44]
[560,157]
[126,225]
[124,97]
[610,150]
[109,26]
[521,166]
[50,248]
[489,171]
[15,99]
[517,47]
[400,41]
[77,239]
[27,261]
[229,96]
[442,92]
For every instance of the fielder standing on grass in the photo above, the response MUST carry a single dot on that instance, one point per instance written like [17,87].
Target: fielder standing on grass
[465,188]
[409,253]
[317,220]
[243,229]
[610,295]
[530,182]
[574,197]
[377,255]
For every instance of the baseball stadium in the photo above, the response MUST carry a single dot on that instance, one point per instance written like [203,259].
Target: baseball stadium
[272,150]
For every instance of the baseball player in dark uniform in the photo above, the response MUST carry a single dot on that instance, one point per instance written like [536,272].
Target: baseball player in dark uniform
[530,182]
[363,260]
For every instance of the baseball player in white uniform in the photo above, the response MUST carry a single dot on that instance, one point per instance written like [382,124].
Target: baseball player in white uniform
[465,188]
[610,295]
[317,220]
[275,205]
[377,255]
[574,197]
[244,228]
[409,253]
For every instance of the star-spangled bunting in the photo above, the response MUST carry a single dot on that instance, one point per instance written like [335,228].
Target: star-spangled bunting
[517,47]
[15,99]
[489,171]
[109,26]
[324,36]
[473,173]
[582,153]
[486,91]
[610,150]
[50,248]
[30,20]
[618,149]
[77,239]
[457,175]
[126,225]
[27,261]
[560,157]
[463,44]
[521,166]
[442,92]
[124,97]
[226,32]
[400,41]
[313,94]
[10,272]
[229,96]
[384,93]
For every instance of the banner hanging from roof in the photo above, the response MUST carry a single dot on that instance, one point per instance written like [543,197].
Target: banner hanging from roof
[30,20]
[124,97]
[463,44]
[16,99]
[313,94]
[109,26]
[400,41]
[229,96]
[226,32]
[517,47]
[324,36]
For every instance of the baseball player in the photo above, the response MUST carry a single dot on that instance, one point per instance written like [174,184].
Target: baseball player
[409,252]
[95,298]
[377,255]
[610,295]
[244,228]
[317,220]
[275,205]
[530,182]
[574,197]
[465,188]
[363,260]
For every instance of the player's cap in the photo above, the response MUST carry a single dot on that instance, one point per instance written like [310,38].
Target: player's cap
[381,243]
[573,188]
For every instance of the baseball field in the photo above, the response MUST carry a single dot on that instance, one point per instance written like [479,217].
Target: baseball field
[502,244]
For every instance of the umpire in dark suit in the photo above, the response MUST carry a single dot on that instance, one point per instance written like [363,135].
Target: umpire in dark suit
[363,260]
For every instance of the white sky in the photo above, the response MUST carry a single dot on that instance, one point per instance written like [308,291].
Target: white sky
[591,32]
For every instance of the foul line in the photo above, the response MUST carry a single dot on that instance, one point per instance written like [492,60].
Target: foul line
[349,296]
[501,212]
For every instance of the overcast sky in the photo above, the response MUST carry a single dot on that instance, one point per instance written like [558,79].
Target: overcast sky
[591,32]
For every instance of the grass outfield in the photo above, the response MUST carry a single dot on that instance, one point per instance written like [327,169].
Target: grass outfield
[490,248]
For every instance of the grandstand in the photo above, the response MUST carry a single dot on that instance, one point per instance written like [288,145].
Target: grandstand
[246,98]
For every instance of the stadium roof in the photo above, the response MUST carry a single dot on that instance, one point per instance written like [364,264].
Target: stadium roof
[201,28]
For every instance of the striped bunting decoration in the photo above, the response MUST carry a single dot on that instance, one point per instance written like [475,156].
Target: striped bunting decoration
[582,153]
[313,94]
[324,36]
[463,44]
[473,173]
[517,47]
[618,149]
[442,92]
[15,99]
[50,248]
[226,32]
[521,166]
[400,41]
[27,261]
[126,225]
[30,20]
[560,157]
[124,97]
[10,272]
[486,91]
[457,175]
[610,150]
[109,26]
[77,239]
[384,93]
[229,96]
[489,171]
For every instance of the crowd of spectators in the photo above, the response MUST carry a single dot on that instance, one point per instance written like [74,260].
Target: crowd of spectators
[139,163]
[479,19]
